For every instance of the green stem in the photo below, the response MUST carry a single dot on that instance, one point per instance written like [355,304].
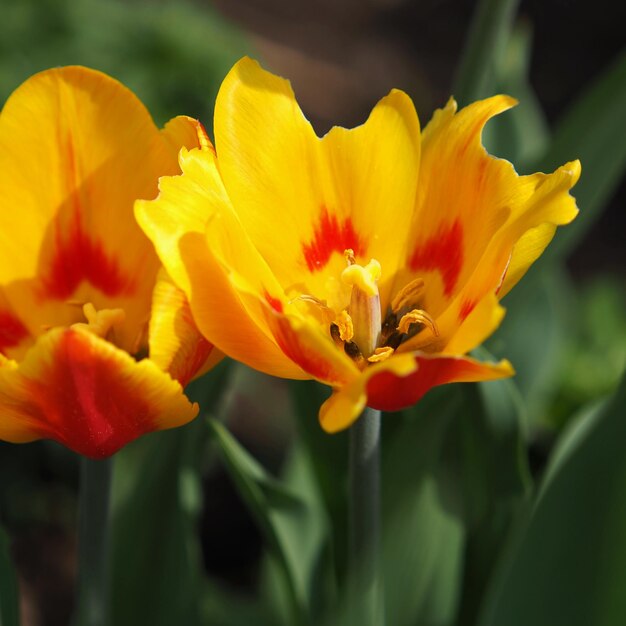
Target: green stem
[488,31]
[366,589]
[93,536]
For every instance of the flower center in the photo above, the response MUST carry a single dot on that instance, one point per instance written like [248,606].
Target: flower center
[360,328]
[101,323]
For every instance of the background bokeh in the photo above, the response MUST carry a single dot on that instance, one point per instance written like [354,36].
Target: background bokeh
[567,329]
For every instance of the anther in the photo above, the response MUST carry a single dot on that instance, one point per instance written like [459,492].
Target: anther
[408,296]
[417,316]
[381,354]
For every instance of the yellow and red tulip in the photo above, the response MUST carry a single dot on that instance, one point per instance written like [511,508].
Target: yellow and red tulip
[95,345]
[372,259]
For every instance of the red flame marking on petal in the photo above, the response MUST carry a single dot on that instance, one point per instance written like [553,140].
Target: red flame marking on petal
[443,252]
[86,404]
[78,258]
[466,308]
[275,303]
[12,331]
[330,236]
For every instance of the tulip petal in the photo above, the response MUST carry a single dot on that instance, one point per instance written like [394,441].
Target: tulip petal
[371,174]
[346,403]
[269,161]
[83,392]
[486,209]
[199,240]
[76,149]
[305,344]
[308,199]
[400,382]
[176,345]
[389,392]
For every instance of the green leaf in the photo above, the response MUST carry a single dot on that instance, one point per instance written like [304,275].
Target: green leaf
[520,135]
[569,563]
[9,597]
[593,131]
[534,334]
[156,497]
[454,479]
[485,478]
[329,460]
[289,514]
[422,539]
[487,35]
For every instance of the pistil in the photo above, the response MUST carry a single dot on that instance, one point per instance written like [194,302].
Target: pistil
[364,307]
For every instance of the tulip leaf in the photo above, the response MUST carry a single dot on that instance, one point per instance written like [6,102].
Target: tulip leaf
[488,32]
[569,562]
[9,600]
[289,514]
[520,135]
[533,336]
[156,497]
[593,131]
[454,479]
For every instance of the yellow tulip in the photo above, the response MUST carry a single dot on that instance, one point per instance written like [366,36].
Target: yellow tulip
[81,300]
[370,259]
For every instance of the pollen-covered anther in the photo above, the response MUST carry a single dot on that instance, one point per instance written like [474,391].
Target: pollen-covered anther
[408,295]
[350,258]
[345,326]
[101,323]
[381,354]
[417,316]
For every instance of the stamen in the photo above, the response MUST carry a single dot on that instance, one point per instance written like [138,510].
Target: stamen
[350,258]
[381,354]
[327,312]
[345,326]
[102,322]
[417,316]
[408,295]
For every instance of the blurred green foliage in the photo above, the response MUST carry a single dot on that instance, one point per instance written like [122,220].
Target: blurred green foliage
[172,54]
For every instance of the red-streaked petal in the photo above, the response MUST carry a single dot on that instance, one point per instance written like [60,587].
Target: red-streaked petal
[389,392]
[76,149]
[346,403]
[303,342]
[88,395]
[176,344]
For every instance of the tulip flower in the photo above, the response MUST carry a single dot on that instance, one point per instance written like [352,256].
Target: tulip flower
[95,344]
[372,259]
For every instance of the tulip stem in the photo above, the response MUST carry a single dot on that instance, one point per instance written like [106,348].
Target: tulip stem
[366,589]
[93,536]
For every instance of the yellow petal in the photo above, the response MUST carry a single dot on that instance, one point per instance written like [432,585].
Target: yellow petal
[472,210]
[371,177]
[477,322]
[76,149]
[199,240]
[176,345]
[399,382]
[269,160]
[83,392]
[14,336]
[182,210]
[305,199]
[346,403]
